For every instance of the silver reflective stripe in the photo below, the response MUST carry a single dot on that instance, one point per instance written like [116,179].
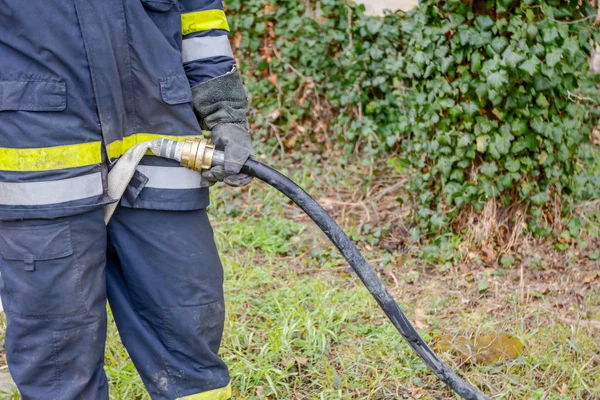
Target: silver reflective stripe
[205,47]
[50,192]
[170,177]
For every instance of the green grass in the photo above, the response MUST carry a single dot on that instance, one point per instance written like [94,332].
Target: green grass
[300,326]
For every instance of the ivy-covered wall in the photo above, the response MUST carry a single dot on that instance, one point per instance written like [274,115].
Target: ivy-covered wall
[479,100]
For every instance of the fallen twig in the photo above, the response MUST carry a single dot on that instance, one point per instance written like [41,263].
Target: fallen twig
[581,322]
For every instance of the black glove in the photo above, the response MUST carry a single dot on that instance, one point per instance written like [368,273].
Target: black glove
[234,140]
[221,106]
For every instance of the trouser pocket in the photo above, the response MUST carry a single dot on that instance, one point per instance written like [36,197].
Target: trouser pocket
[53,286]
[41,277]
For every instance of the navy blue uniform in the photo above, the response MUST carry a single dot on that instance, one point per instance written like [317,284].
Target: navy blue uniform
[81,82]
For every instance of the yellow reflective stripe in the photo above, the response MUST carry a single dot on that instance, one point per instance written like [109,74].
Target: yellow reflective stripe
[203,21]
[50,158]
[217,394]
[118,148]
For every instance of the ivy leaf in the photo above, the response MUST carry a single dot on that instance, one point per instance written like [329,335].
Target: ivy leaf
[455,112]
[412,70]
[538,125]
[482,143]
[476,59]
[541,83]
[465,140]
[446,64]
[447,103]
[470,109]
[519,146]
[532,30]
[481,90]
[575,227]
[484,22]
[445,165]
[518,127]
[391,140]
[512,164]
[489,169]
[499,114]
[490,189]
[502,143]
[550,35]
[480,39]
[531,66]
[482,286]
[563,31]
[542,101]
[420,59]
[499,44]
[540,199]
[464,35]
[442,51]
[512,58]
[497,79]
[553,57]
[489,66]
[374,25]
[571,46]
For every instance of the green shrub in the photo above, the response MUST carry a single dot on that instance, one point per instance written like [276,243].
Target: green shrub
[502,106]
[485,101]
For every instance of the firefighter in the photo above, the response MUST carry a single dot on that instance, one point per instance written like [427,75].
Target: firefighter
[81,82]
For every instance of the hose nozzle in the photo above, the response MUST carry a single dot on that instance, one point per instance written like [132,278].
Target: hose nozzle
[197,154]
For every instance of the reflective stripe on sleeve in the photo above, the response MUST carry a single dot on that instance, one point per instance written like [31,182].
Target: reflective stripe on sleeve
[50,158]
[216,394]
[50,192]
[198,48]
[200,21]
[170,177]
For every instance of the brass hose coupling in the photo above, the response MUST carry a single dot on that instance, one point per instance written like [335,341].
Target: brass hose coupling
[197,154]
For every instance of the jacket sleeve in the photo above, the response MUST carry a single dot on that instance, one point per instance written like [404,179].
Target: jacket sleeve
[206,51]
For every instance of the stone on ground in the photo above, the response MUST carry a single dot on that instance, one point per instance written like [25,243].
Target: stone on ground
[6,383]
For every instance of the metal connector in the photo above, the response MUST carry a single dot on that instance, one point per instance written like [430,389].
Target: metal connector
[197,154]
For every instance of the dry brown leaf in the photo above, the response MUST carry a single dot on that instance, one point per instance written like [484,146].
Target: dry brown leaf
[488,349]
[545,290]
[563,389]
[302,360]
[590,276]
[420,319]
[290,142]
[259,391]
[275,114]
[417,393]
[269,8]
[490,254]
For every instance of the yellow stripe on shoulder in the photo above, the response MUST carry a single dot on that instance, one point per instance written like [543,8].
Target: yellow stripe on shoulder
[200,21]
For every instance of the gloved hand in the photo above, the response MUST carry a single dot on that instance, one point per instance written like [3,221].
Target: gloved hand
[221,107]
[234,140]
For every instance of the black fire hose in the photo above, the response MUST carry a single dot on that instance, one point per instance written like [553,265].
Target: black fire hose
[366,274]
[198,154]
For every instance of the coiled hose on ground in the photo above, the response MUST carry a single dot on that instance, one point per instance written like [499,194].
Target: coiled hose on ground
[199,155]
